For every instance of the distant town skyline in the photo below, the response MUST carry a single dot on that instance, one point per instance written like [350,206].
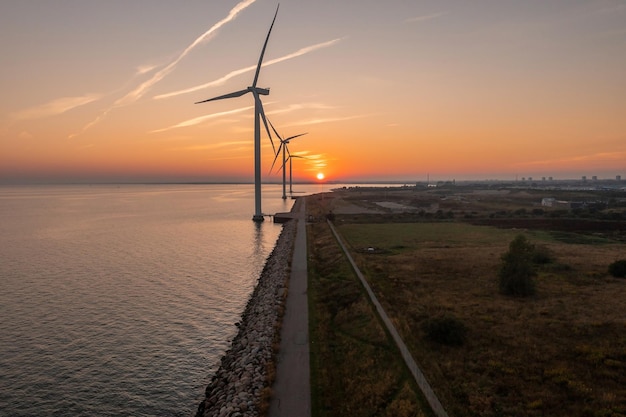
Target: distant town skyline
[387,91]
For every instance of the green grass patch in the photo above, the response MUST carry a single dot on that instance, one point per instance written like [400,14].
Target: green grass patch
[398,237]
[580,239]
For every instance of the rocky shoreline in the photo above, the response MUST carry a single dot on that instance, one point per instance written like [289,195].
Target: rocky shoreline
[241,386]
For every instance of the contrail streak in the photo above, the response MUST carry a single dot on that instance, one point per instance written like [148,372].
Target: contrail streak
[425,17]
[143,88]
[158,76]
[235,73]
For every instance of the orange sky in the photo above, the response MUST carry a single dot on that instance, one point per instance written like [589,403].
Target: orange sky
[105,91]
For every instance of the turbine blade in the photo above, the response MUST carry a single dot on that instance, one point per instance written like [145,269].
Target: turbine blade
[295,136]
[262,114]
[258,67]
[274,129]
[276,157]
[229,95]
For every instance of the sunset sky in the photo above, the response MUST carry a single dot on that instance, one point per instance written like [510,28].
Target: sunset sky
[386,90]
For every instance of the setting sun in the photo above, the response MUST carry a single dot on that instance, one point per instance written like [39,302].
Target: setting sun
[320,176]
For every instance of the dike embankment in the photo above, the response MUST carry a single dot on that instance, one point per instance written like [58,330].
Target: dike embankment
[241,386]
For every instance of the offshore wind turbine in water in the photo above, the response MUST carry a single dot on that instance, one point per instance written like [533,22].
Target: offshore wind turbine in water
[258,115]
[283,146]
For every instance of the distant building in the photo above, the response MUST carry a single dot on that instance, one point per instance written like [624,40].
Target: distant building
[543,178]
[618,178]
[549,178]
[594,178]
[584,178]
[553,202]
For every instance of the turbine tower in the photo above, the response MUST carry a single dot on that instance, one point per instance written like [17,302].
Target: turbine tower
[290,159]
[258,115]
[285,149]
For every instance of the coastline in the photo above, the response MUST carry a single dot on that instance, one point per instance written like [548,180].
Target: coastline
[242,384]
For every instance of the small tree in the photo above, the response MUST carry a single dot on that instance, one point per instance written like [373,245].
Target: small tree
[517,272]
[618,268]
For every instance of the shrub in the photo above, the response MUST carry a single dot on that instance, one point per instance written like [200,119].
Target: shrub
[446,330]
[618,268]
[517,270]
[542,255]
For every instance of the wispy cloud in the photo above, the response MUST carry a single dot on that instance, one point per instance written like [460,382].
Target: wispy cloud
[144,87]
[88,126]
[301,106]
[235,73]
[54,107]
[326,120]
[317,161]
[227,158]
[211,146]
[198,120]
[424,17]
[144,69]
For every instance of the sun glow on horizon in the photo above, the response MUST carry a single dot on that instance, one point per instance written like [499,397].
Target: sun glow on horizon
[320,176]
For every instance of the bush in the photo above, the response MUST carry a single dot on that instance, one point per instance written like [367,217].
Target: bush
[618,268]
[542,255]
[517,271]
[446,330]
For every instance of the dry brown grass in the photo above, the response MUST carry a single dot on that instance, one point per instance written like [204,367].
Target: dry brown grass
[560,353]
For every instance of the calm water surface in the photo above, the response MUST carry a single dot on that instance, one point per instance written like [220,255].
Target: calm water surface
[120,300]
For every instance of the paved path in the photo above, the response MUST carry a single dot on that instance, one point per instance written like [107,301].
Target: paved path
[292,390]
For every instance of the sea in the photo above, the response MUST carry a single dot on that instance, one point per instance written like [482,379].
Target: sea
[120,300]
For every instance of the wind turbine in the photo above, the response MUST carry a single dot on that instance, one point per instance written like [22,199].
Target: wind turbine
[290,159]
[285,149]
[258,114]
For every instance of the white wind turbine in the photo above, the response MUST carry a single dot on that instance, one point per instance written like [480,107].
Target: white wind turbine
[285,149]
[258,114]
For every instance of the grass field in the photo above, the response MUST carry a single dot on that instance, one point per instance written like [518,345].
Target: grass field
[559,353]
[355,369]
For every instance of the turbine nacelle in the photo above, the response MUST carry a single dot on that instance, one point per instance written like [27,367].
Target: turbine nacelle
[259,90]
